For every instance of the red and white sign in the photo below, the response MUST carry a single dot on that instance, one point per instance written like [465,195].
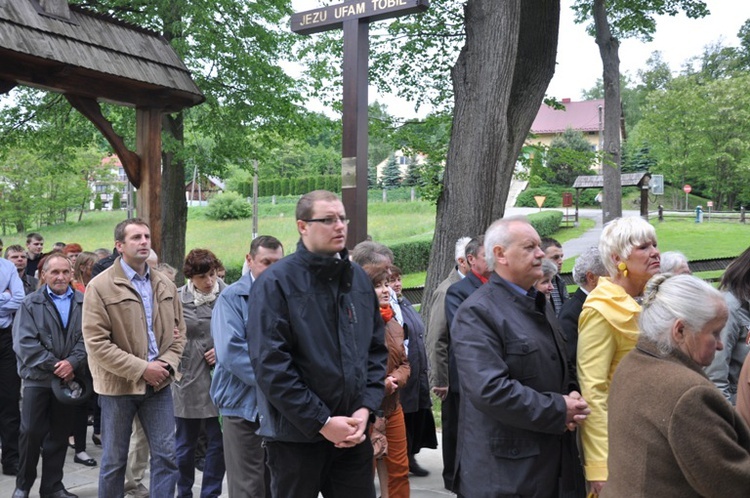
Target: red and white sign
[687,189]
[710,204]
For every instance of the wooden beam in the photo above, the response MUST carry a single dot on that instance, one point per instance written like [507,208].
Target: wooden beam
[129,159]
[6,86]
[148,145]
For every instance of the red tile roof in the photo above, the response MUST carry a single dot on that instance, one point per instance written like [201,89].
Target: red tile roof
[581,116]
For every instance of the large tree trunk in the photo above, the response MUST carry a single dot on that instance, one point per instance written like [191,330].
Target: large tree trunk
[173,204]
[499,82]
[609,48]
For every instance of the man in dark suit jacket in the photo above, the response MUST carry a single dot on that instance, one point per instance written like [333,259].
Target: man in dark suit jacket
[516,403]
[457,294]
[586,273]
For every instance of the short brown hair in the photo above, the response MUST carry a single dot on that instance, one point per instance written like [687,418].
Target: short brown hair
[378,273]
[200,261]
[305,204]
[265,241]
[120,228]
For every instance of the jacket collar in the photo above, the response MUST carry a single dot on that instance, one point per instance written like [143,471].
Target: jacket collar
[537,303]
[650,348]
[328,268]
[39,296]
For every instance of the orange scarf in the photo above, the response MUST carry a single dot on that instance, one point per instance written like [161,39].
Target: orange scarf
[386,312]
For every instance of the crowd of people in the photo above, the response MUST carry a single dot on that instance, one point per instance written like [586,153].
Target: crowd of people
[313,373]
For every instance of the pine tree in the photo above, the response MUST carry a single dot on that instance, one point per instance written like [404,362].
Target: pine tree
[391,174]
[413,175]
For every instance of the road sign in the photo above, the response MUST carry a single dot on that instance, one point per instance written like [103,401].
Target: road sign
[687,189]
[657,184]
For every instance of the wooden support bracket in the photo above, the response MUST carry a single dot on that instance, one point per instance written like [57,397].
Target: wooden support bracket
[129,159]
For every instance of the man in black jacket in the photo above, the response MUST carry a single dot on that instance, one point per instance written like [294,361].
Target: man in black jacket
[316,342]
[516,399]
[48,342]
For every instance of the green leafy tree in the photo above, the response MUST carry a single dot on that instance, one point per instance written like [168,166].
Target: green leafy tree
[612,20]
[569,156]
[116,201]
[700,134]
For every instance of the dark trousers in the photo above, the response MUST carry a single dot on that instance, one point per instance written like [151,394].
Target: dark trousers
[10,395]
[247,472]
[44,421]
[301,470]
[186,439]
[449,416]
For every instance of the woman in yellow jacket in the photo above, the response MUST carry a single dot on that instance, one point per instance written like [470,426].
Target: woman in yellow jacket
[608,329]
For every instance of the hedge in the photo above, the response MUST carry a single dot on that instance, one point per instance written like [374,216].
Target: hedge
[412,257]
[546,223]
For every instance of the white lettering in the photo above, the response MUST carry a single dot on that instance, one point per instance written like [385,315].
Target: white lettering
[314,18]
[387,4]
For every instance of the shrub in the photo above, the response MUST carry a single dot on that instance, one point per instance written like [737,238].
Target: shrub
[526,198]
[116,202]
[412,257]
[98,202]
[228,206]
[546,223]
[234,273]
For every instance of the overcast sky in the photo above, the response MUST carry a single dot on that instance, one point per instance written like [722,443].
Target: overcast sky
[578,61]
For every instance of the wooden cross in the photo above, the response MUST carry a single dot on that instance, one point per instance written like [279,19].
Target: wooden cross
[355,18]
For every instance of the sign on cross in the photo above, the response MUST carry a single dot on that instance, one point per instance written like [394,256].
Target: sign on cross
[354,17]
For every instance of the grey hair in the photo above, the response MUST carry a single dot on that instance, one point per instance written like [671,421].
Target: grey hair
[620,236]
[498,234]
[668,298]
[671,260]
[589,261]
[460,251]
[549,268]
[369,252]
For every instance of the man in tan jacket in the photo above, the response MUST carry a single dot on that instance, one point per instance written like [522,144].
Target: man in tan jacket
[134,334]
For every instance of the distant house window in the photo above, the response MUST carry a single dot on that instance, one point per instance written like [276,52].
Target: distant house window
[100,189]
[403,160]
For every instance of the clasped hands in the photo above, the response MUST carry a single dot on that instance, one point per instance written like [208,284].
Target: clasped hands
[346,432]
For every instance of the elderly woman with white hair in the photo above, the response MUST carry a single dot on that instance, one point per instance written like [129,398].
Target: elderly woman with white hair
[608,329]
[674,262]
[671,432]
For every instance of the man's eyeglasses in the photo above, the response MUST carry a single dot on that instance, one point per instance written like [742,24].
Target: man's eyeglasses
[329,221]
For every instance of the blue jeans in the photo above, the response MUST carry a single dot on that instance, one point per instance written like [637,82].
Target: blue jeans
[156,413]
[188,431]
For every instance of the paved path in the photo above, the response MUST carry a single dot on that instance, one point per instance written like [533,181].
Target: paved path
[83,480]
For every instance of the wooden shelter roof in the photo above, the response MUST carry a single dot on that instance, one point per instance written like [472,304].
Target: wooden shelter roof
[49,44]
[597,181]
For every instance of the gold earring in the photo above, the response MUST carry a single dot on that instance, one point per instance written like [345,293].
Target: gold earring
[623,268]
